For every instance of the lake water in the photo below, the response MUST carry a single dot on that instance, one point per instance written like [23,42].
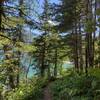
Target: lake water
[65,66]
[26,61]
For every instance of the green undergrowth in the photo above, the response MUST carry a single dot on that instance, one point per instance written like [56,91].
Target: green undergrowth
[31,91]
[77,87]
[71,86]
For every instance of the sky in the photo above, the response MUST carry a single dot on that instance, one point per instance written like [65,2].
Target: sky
[56,1]
[53,1]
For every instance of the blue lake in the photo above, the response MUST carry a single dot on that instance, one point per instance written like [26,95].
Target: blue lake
[65,66]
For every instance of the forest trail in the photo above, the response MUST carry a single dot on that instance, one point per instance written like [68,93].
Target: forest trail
[47,93]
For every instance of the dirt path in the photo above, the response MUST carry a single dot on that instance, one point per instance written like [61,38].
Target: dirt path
[47,94]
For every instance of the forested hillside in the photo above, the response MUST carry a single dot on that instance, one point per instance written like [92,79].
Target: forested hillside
[49,49]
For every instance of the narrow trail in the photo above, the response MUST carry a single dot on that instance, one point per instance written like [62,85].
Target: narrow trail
[47,94]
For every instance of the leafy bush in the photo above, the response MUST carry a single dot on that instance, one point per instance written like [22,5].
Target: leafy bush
[29,91]
[75,87]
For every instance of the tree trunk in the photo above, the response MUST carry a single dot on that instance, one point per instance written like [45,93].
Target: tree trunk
[80,47]
[55,68]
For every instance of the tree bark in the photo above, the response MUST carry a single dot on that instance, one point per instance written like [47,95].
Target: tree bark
[55,67]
